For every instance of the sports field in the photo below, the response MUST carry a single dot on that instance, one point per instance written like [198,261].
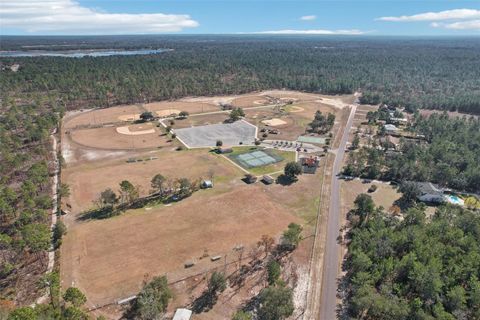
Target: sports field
[109,259]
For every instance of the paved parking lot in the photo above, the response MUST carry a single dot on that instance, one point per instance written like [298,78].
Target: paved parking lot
[231,134]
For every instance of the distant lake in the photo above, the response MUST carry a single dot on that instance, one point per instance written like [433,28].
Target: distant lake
[79,53]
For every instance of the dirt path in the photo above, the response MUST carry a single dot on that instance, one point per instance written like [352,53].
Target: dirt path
[51,251]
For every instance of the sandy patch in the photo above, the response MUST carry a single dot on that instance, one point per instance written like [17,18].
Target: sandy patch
[126,130]
[129,117]
[274,122]
[167,112]
[337,103]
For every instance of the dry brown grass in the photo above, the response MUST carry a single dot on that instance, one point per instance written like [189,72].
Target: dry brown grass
[86,181]
[109,259]
[385,195]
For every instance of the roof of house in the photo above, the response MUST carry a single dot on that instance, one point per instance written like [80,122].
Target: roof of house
[390,127]
[429,188]
[182,314]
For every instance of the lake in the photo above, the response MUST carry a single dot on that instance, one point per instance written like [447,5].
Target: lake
[80,53]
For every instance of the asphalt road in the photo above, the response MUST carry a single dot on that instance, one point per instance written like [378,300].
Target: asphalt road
[328,299]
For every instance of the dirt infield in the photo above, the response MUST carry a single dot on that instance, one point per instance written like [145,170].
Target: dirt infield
[106,269]
[274,122]
[250,101]
[129,117]
[190,107]
[109,139]
[136,130]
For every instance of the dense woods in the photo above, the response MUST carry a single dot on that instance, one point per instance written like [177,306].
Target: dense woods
[25,196]
[449,156]
[415,268]
[415,73]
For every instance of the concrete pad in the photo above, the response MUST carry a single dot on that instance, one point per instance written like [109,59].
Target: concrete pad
[231,134]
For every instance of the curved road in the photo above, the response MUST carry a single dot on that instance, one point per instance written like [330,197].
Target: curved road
[331,267]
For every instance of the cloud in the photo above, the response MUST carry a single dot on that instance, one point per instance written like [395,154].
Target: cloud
[69,17]
[308,18]
[314,32]
[461,25]
[456,14]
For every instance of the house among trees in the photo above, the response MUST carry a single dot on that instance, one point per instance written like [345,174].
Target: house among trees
[390,128]
[429,192]
[309,164]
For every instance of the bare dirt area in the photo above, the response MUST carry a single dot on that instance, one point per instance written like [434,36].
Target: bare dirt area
[109,259]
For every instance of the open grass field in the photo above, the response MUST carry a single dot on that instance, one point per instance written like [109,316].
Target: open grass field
[108,138]
[385,195]
[109,259]
[86,181]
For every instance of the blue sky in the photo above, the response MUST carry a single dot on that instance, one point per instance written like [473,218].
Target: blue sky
[422,17]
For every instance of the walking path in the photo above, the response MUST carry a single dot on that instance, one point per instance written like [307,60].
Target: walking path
[51,251]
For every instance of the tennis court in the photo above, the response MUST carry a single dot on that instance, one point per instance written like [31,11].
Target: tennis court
[308,139]
[256,159]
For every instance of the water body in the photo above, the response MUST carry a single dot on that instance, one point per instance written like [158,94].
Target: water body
[80,53]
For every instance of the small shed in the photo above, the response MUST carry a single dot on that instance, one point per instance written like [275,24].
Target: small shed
[267,179]
[182,314]
[250,178]
[207,184]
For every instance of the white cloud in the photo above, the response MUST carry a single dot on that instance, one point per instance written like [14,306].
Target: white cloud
[314,31]
[308,18]
[436,16]
[461,25]
[69,17]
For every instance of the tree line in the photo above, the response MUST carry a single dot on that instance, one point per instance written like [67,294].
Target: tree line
[413,73]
